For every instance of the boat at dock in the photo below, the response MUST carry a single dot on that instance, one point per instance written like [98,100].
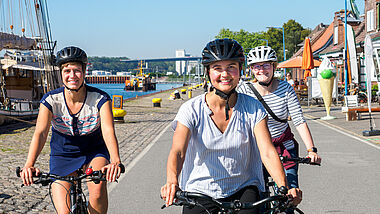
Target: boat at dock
[27,68]
[140,81]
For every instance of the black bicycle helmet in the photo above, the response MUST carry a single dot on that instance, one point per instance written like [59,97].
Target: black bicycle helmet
[218,50]
[222,49]
[71,54]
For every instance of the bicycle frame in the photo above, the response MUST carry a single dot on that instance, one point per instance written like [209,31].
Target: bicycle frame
[78,204]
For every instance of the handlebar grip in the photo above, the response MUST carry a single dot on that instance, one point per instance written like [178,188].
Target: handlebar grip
[18,171]
[179,193]
[122,168]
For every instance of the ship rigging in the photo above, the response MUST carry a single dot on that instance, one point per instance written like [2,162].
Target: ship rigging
[27,63]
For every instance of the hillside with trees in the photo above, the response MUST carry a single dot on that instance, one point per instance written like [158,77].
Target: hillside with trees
[294,35]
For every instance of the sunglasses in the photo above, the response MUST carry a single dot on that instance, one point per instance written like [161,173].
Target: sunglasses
[265,66]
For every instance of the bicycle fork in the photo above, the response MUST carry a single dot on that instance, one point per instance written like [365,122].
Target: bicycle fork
[78,206]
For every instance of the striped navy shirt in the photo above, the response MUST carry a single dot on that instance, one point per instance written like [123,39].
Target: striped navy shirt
[220,164]
[283,102]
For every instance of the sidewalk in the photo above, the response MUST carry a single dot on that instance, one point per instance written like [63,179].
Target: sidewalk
[354,128]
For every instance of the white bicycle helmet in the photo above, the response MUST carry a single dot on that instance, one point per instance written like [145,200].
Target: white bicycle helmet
[261,54]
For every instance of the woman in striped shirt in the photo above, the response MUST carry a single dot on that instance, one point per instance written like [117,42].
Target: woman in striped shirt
[221,138]
[282,100]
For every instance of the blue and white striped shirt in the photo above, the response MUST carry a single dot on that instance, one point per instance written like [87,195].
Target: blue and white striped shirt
[220,164]
[283,102]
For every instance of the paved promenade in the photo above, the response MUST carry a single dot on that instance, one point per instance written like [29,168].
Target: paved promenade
[143,124]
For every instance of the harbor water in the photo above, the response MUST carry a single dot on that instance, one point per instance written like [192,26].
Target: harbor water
[118,89]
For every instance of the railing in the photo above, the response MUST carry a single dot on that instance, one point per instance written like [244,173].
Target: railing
[16,107]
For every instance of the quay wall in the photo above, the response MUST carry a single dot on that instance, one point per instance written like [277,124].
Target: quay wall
[105,79]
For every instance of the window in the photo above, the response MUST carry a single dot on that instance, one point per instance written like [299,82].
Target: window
[370,20]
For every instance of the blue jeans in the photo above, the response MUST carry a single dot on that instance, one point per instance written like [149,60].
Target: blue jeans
[292,176]
[292,173]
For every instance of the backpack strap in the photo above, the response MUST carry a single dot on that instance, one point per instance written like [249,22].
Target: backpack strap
[260,98]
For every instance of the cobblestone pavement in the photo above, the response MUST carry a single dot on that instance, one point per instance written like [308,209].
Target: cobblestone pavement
[143,123]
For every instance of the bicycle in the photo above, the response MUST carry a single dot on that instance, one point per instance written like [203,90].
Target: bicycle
[271,187]
[191,199]
[78,202]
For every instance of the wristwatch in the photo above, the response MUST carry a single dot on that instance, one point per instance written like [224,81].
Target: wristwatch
[313,149]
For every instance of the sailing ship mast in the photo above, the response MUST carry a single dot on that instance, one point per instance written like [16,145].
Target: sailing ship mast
[28,47]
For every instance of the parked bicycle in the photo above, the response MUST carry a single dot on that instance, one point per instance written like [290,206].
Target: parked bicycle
[191,199]
[78,202]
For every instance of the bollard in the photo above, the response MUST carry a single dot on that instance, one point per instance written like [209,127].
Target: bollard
[118,115]
[190,94]
[156,102]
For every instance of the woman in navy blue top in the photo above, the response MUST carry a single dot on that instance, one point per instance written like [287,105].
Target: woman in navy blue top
[83,133]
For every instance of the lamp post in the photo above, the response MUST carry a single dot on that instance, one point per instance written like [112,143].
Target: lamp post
[345,50]
[283,44]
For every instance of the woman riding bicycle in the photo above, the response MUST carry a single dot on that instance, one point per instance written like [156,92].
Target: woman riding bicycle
[283,102]
[221,137]
[83,133]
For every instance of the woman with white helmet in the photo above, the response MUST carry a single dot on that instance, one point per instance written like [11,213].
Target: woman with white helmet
[221,138]
[281,100]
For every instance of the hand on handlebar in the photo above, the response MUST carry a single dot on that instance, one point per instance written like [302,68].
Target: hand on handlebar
[27,173]
[296,195]
[314,158]
[168,192]
[113,171]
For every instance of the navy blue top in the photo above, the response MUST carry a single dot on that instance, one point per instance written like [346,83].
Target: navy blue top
[76,138]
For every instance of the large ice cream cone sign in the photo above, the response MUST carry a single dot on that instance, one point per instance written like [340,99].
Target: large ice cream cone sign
[327,86]
[326,76]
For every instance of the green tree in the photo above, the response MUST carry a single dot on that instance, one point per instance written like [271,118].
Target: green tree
[294,35]
[245,39]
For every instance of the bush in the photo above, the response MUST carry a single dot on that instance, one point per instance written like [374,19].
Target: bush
[374,89]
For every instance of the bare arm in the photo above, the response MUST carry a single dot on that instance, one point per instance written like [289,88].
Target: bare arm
[271,160]
[38,141]
[268,153]
[306,137]
[175,162]
[108,132]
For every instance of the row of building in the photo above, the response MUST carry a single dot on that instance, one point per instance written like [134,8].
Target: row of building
[328,40]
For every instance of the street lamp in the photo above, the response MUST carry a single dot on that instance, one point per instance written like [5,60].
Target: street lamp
[283,43]
[345,50]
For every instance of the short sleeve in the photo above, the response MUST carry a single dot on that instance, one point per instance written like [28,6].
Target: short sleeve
[260,112]
[104,98]
[185,116]
[47,101]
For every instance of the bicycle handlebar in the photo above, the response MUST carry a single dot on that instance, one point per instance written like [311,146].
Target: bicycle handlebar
[305,160]
[190,199]
[46,178]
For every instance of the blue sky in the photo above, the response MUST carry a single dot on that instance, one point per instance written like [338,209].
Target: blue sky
[153,29]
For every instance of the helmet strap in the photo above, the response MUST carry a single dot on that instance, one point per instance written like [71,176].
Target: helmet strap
[225,97]
[76,90]
[266,84]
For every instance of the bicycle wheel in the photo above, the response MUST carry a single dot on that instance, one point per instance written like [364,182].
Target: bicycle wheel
[81,205]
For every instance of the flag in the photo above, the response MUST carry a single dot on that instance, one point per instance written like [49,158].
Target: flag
[369,67]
